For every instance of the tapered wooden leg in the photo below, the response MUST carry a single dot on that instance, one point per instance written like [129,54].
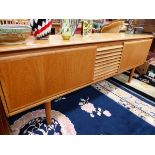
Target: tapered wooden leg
[131,75]
[48,112]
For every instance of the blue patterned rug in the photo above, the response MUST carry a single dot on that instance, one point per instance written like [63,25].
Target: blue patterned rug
[101,109]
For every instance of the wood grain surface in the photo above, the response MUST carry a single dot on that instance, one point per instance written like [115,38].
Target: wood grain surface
[57,41]
[29,79]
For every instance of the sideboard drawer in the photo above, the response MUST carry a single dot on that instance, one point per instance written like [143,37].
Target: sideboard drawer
[27,79]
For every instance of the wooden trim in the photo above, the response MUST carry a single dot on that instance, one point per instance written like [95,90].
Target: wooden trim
[107,65]
[107,62]
[2,96]
[108,52]
[100,78]
[105,71]
[108,55]
[109,48]
[105,59]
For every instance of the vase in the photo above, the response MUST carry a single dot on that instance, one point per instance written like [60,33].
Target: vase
[66,35]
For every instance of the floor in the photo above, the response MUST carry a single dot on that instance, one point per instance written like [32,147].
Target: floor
[137,84]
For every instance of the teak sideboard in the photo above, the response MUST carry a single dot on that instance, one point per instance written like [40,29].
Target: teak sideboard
[38,71]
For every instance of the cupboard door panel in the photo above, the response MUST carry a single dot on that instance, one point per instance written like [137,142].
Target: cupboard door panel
[134,54]
[31,78]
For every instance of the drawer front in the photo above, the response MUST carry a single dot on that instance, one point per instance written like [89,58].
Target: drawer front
[107,61]
[30,78]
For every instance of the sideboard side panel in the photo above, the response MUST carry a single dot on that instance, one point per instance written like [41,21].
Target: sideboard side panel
[4,125]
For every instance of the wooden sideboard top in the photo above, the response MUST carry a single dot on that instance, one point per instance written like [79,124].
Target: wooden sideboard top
[56,41]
